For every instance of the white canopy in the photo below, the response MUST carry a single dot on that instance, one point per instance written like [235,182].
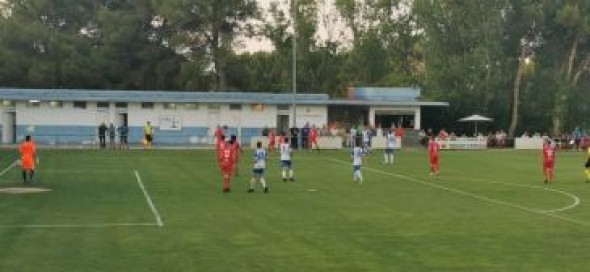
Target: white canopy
[476,118]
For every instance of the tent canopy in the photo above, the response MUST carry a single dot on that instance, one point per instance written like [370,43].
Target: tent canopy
[476,118]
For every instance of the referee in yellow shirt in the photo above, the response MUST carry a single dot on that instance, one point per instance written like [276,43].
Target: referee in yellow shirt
[148,135]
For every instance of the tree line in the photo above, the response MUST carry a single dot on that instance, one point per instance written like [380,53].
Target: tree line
[525,63]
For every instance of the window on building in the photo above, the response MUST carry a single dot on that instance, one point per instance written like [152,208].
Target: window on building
[283,107]
[121,105]
[191,106]
[235,106]
[56,104]
[214,106]
[34,103]
[257,107]
[102,105]
[169,106]
[79,105]
[147,105]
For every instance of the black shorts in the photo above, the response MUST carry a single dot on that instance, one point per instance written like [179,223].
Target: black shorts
[587,163]
[149,138]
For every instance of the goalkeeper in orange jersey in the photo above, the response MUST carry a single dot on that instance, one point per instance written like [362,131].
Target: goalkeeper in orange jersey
[27,152]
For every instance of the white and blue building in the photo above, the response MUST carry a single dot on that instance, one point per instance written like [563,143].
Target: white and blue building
[63,116]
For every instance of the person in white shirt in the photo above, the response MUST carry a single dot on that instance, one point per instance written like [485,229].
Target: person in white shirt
[286,162]
[258,168]
[357,162]
[390,142]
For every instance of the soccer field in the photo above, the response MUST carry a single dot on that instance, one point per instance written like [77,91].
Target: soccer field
[163,210]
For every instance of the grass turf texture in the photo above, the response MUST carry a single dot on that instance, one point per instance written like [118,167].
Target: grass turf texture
[388,223]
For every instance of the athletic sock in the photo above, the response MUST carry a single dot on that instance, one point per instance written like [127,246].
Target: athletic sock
[252,181]
[360,177]
[31,175]
[587,171]
[284,174]
[24,176]
[386,158]
[391,158]
[291,173]
[263,182]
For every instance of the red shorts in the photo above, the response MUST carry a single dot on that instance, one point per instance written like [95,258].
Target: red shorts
[548,165]
[27,163]
[434,160]
[226,168]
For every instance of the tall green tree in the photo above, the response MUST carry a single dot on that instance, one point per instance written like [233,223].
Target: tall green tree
[205,31]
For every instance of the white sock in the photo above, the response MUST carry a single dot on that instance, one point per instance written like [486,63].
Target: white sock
[263,182]
[360,177]
[284,173]
[385,158]
[391,158]
[290,173]
[252,181]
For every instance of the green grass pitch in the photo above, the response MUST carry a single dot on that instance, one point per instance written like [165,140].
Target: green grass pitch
[489,211]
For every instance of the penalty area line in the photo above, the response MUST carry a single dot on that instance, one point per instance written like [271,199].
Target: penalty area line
[97,225]
[159,221]
[483,198]
[8,168]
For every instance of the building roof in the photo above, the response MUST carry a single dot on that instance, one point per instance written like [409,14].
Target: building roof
[158,96]
[367,96]
[392,94]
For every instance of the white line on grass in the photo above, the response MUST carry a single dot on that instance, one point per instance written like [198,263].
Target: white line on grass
[461,192]
[97,225]
[149,200]
[8,168]
[572,196]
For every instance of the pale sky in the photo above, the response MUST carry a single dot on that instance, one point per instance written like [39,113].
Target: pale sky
[330,26]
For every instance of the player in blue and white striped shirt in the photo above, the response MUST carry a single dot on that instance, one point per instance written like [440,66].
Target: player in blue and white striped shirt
[286,162]
[258,168]
[357,162]
[390,142]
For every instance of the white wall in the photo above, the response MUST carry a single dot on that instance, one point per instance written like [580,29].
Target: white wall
[138,116]
[92,116]
[314,115]
[45,115]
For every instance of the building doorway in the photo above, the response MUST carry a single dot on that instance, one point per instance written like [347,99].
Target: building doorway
[282,123]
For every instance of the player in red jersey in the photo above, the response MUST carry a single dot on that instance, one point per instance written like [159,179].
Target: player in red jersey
[548,161]
[237,148]
[271,140]
[433,149]
[313,138]
[219,146]
[226,158]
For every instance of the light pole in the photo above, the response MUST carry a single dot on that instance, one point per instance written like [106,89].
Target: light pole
[528,43]
[294,68]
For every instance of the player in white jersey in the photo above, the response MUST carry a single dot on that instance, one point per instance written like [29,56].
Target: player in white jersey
[367,140]
[258,168]
[286,163]
[390,141]
[357,162]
